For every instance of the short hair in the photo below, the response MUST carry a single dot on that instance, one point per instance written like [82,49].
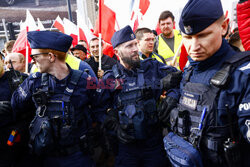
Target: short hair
[93,39]
[140,32]
[9,45]
[82,41]
[166,14]
[20,56]
[235,37]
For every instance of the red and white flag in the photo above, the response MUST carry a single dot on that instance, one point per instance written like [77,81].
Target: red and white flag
[58,23]
[71,29]
[21,45]
[40,25]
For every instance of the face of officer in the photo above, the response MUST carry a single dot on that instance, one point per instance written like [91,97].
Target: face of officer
[79,54]
[94,48]
[146,44]
[42,59]
[128,54]
[18,61]
[166,27]
[204,44]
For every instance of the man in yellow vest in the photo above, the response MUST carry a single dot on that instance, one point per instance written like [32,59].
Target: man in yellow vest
[168,41]
[145,39]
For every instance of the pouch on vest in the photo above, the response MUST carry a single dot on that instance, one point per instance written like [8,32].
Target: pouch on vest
[41,135]
[180,152]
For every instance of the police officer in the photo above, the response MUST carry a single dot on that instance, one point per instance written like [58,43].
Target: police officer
[213,112]
[58,133]
[13,130]
[130,95]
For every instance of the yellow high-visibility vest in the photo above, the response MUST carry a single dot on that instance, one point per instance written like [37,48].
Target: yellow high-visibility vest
[165,51]
[71,60]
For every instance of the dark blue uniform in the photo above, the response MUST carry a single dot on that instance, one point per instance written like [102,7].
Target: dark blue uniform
[227,109]
[17,154]
[124,95]
[74,119]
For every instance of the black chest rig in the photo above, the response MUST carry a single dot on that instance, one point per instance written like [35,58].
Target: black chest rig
[55,124]
[136,105]
[195,117]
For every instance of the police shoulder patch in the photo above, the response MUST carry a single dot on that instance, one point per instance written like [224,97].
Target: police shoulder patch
[247,123]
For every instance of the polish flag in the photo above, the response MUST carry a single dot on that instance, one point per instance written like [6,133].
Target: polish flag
[107,23]
[58,23]
[21,45]
[71,29]
[140,7]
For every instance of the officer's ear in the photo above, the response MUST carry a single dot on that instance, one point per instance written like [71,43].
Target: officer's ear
[224,26]
[52,57]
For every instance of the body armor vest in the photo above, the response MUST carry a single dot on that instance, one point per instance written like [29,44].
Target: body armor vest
[136,106]
[55,123]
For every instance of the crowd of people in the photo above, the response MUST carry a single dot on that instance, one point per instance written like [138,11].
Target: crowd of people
[137,108]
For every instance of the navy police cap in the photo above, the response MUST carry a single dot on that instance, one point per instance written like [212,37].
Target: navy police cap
[49,40]
[197,15]
[123,35]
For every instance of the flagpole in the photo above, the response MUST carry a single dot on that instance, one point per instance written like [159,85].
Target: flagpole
[100,35]
[177,53]
[27,52]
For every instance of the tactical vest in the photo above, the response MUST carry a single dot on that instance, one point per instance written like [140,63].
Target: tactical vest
[136,106]
[195,117]
[55,124]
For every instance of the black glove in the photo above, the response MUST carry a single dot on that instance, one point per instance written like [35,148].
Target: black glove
[171,80]
[164,109]
[111,123]
[5,109]
[123,136]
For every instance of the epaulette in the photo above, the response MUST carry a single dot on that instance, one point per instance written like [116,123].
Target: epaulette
[245,68]
[35,75]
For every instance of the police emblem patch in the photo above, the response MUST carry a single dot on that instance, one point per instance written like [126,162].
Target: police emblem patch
[132,36]
[248,131]
[188,29]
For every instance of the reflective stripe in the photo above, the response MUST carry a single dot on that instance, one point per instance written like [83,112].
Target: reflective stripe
[165,51]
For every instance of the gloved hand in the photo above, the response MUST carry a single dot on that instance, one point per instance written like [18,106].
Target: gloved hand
[171,80]
[164,109]
[123,136]
[5,108]
[112,123]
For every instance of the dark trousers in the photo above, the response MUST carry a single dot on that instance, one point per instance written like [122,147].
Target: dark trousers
[139,156]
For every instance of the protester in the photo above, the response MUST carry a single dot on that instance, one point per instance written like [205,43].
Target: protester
[130,100]
[213,113]
[59,131]
[106,62]
[145,38]
[16,61]
[168,41]
[79,51]
[8,47]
